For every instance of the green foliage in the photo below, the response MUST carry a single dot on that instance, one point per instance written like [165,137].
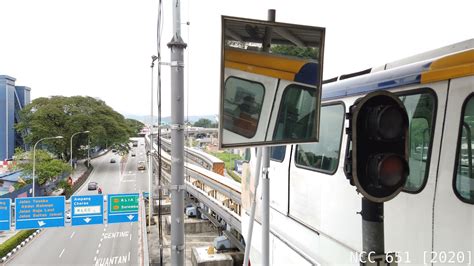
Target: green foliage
[301,52]
[206,123]
[135,125]
[64,116]
[14,241]
[227,157]
[234,175]
[47,168]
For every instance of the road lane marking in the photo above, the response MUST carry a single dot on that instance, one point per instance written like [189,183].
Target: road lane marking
[95,258]
[72,235]
[130,236]
[101,239]
[61,253]
[113,260]
[100,244]
[97,252]
[116,235]
[105,229]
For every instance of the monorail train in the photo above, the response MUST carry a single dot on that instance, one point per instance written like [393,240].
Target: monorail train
[314,209]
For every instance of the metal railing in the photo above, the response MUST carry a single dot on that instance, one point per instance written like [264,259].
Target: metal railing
[220,194]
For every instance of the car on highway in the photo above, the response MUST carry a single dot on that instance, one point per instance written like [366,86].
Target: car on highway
[112,160]
[141,165]
[92,186]
[133,154]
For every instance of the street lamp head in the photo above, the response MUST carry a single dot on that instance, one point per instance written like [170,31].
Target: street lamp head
[58,137]
[87,131]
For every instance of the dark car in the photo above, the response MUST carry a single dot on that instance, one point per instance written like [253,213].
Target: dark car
[112,160]
[92,186]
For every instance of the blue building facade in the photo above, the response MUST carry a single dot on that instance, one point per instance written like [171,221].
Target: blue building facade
[12,100]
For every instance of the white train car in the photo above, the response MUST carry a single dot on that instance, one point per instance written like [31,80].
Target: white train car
[313,214]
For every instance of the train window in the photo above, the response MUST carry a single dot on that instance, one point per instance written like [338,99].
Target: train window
[464,178]
[324,155]
[296,114]
[277,153]
[420,109]
[242,105]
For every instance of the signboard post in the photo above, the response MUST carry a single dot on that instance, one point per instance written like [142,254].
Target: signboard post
[5,214]
[39,212]
[122,208]
[87,209]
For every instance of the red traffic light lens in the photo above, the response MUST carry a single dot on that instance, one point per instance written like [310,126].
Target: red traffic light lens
[392,170]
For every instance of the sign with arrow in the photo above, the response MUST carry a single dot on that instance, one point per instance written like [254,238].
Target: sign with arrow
[87,209]
[5,214]
[122,208]
[39,212]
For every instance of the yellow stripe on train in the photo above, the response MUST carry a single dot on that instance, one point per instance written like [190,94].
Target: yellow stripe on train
[452,66]
[263,63]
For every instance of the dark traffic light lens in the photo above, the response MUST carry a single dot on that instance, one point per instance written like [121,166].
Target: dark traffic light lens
[392,170]
[386,122]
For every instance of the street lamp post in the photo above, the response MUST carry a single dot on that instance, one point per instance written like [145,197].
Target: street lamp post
[150,163]
[34,158]
[85,132]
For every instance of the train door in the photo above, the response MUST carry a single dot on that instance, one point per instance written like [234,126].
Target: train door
[409,216]
[453,240]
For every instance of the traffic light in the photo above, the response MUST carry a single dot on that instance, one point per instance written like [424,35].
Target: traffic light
[376,157]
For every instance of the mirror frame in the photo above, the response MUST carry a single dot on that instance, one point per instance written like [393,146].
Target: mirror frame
[222,83]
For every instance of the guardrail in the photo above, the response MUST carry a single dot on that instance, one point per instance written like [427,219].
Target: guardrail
[200,158]
[220,194]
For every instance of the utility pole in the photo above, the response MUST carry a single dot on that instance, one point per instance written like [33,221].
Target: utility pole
[150,154]
[267,41]
[177,47]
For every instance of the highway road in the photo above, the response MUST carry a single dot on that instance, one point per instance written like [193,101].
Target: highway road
[108,244]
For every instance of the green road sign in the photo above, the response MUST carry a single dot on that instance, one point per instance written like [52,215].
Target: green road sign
[123,203]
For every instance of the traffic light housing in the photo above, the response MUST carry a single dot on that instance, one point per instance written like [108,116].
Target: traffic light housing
[376,156]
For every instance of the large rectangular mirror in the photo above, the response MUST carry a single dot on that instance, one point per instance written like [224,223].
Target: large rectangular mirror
[270,83]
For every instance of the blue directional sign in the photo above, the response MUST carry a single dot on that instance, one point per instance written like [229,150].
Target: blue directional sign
[122,208]
[88,209]
[39,212]
[5,214]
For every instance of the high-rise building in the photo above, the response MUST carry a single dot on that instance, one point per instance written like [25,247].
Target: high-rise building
[12,100]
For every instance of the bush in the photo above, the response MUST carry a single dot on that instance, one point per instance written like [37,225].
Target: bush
[14,241]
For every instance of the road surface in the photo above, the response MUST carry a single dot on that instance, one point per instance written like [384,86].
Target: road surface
[113,244]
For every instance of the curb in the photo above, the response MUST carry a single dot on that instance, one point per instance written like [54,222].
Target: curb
[20,246]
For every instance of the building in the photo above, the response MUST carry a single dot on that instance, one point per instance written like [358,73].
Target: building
[12,100]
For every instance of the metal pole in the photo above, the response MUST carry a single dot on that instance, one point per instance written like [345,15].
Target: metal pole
[150,156]
[266,164]
[265,207]
[256,176]
[89,151]
[34,166]
[177,47]
[34,158]
[86,132]
[372,227]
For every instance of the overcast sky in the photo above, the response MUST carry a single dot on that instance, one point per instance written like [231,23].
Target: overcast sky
[103,48]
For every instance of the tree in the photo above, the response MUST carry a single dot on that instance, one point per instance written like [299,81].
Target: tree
[301,52]
[135,125]
[206,123]
[46,167]
[64,116]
